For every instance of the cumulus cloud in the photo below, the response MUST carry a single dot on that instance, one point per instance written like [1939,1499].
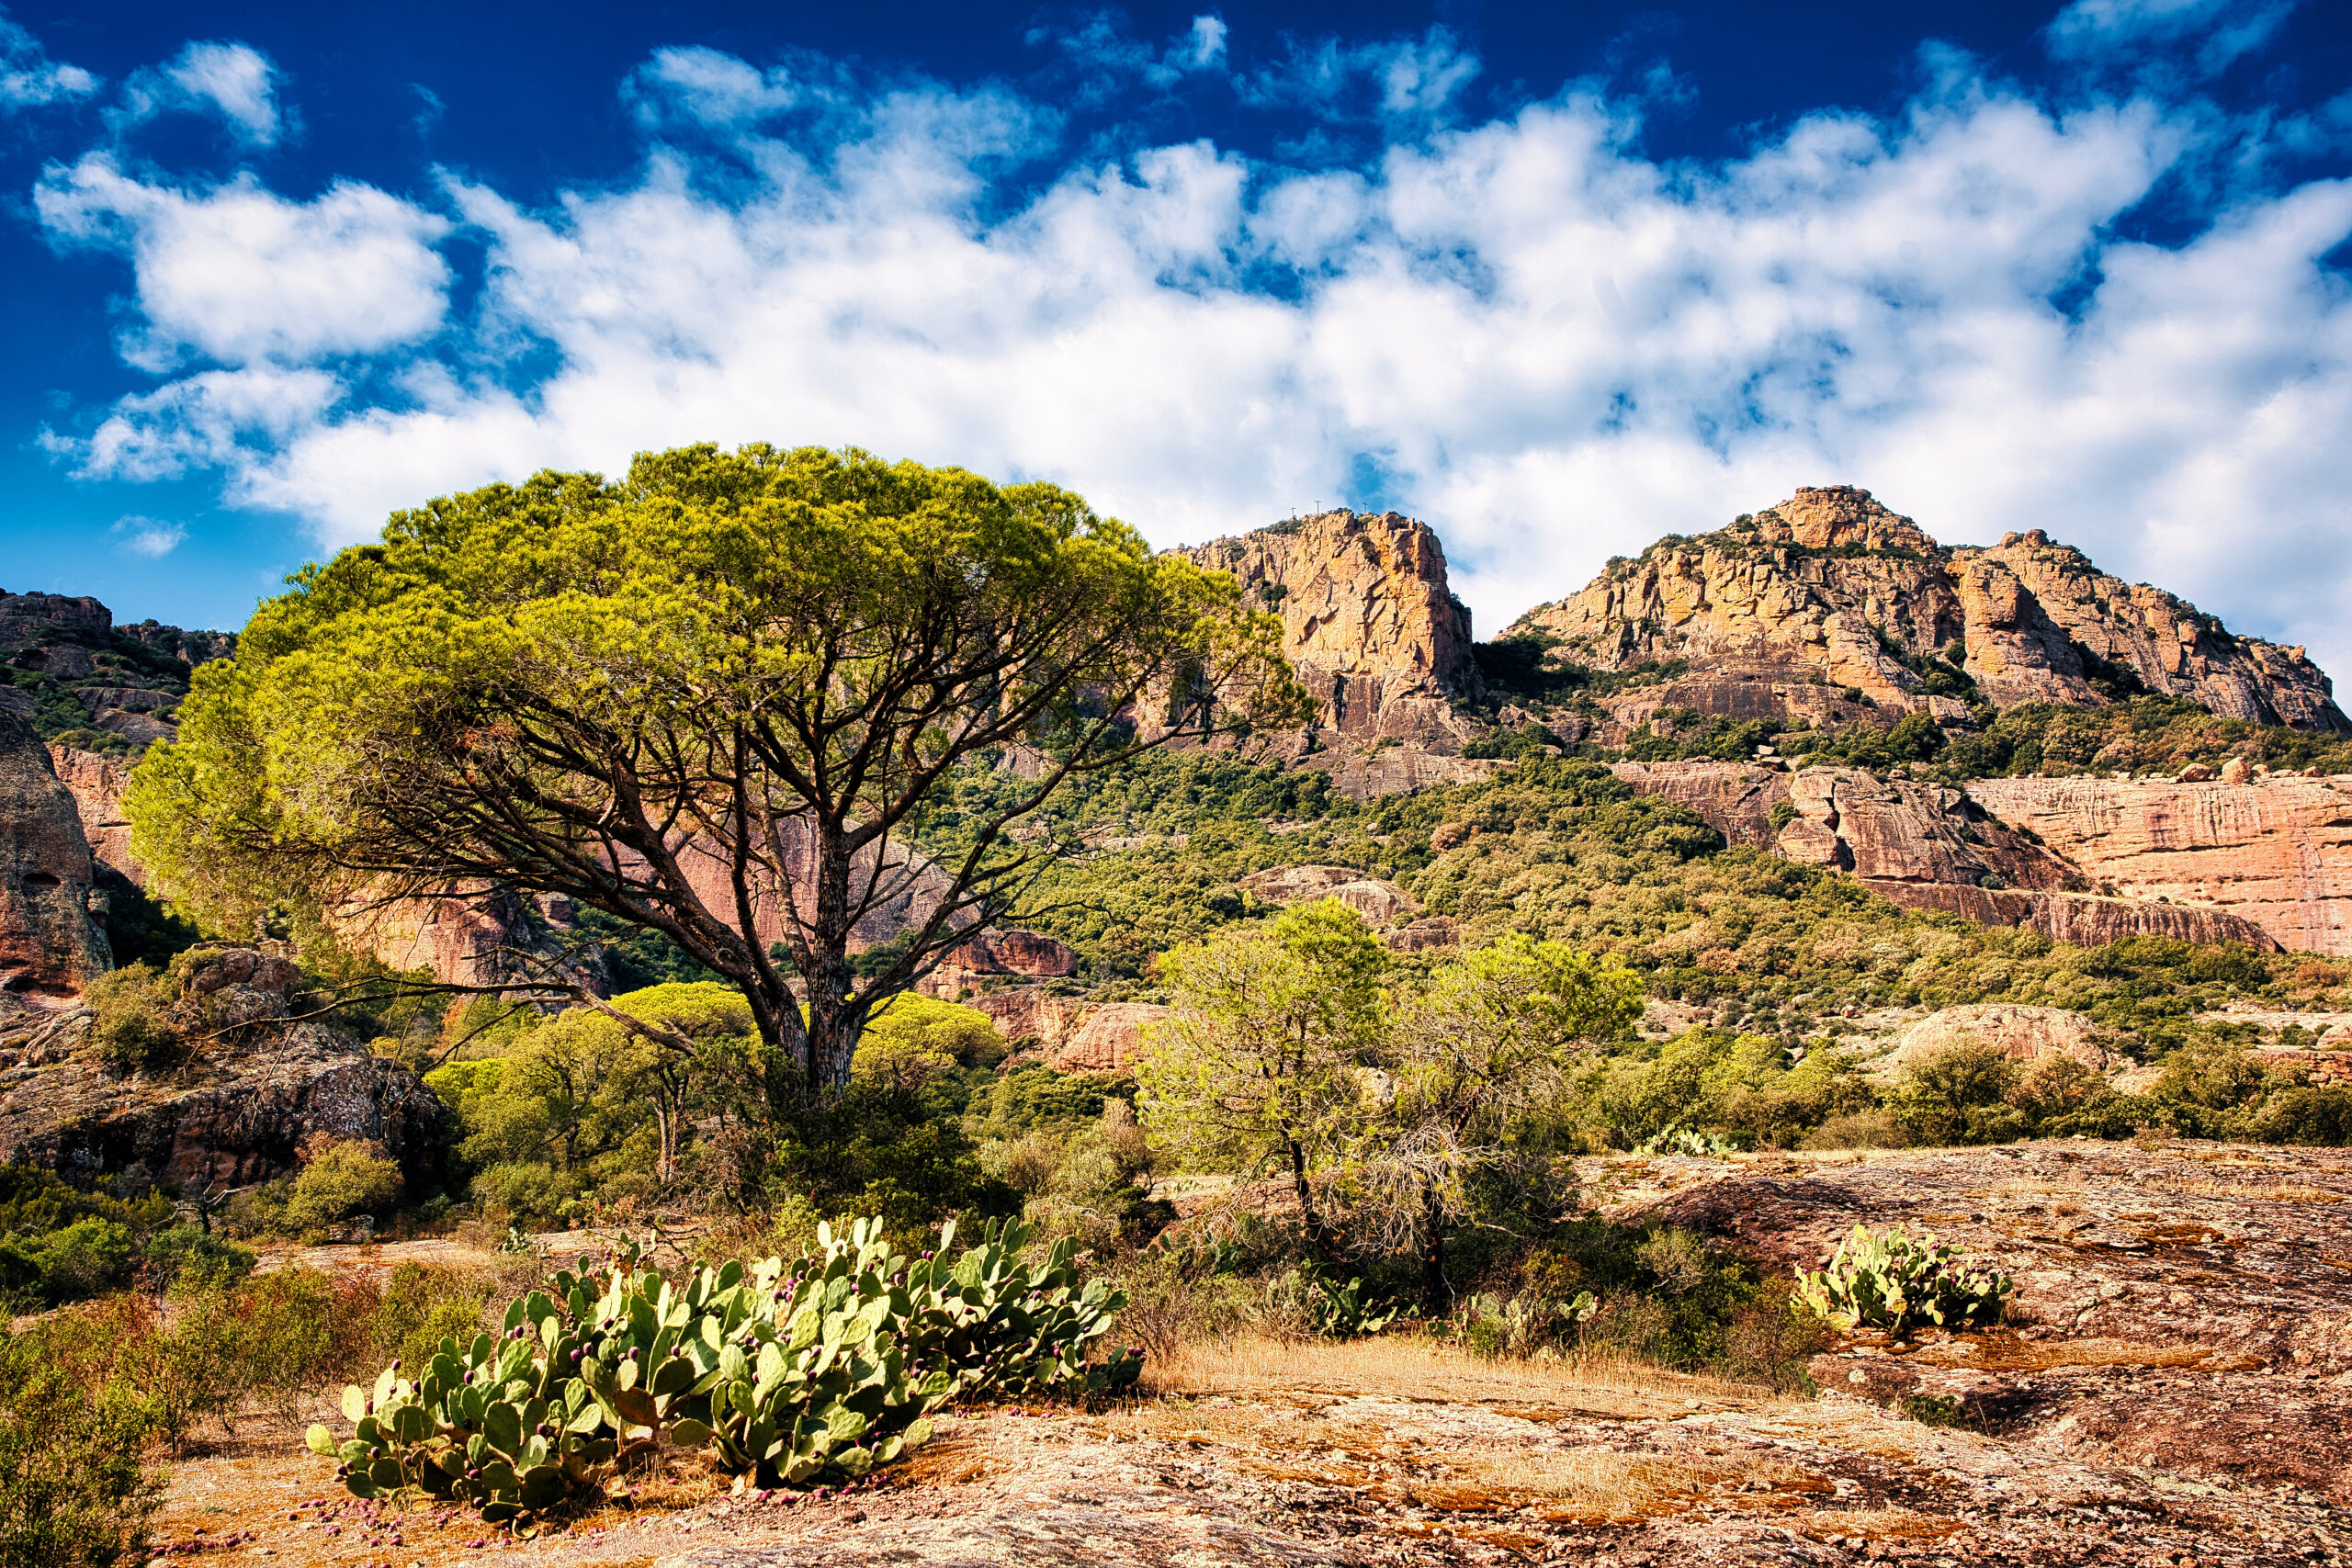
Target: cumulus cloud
[236,274]
[29,78]
[231,82]
[147,537]
[1552,347]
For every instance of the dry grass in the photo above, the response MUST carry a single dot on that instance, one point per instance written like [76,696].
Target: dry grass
[1407,1368]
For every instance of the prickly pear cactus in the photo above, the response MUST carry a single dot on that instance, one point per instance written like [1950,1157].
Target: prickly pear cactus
[1893,1281]
[822,1367]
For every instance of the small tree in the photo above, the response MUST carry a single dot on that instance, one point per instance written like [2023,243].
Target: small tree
[716,700]
[1491,1038]
[1257,1070]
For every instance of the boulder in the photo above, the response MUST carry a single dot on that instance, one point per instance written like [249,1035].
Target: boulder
[1110,1039]
[2022,1033]
[1381,902]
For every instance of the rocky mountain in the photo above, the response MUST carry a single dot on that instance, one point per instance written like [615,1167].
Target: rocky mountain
[1376,636]
[1831,609]
[79,678]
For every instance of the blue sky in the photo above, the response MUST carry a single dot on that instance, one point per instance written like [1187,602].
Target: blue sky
[1557,278]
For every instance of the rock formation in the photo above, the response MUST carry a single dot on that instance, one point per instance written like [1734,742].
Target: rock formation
[260,1085]
[1931,847]
[1832,609]
[2020,1034]
[2278,852]
[1368,621]
[48,945]
[1381,902]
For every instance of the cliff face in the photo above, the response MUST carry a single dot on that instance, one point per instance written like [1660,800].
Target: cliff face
[1368,621]
[1784,613]
[48,945]
[2278,852]
[69,668]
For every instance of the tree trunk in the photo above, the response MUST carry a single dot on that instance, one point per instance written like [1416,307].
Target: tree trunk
[1434,1292]
[1319,1236]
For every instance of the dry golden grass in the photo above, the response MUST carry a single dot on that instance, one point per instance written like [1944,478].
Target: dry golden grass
[1877,1523]
[1404,1367]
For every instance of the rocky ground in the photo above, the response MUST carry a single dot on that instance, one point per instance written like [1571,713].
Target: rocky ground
[2174,1389]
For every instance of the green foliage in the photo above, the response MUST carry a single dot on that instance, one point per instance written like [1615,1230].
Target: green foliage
[1959,1094]
[1912,740]
[2140,734]
[134,1034]
[142,932]
[74,1490]
[60,1243]
[1255,1072]
[190,1257]
[825,1368]
[1893,1281]
[353,1177]
[839,631]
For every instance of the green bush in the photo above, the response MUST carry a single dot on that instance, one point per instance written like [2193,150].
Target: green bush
[353,1177]
[133,1034]
[1959,1094]
[1893,1282]
[194,1259]
[788,1373]
[74,1492]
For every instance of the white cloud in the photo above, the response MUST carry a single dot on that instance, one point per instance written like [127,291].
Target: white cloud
[1549,345]
[28,77]
[147,537]
[233,81]
[237,274]
[704,86]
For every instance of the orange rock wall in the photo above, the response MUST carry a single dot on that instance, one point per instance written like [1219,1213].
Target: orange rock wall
[2278,852]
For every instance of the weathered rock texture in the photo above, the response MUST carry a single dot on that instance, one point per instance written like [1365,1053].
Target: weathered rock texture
[48,945]
[2277,853]
[259,1085]
[1368,621]
[60,653]
[1070,1033]
[1830,593]
[2020,1034]
[1381,902]
[483,936]
[97,784]
[1931,847]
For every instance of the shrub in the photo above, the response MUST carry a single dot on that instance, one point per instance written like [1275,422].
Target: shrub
[74,1491]
[132,1034]
[195,1259]
[1959,1094]
[343,1179]
[788,1373]
[1893,1280]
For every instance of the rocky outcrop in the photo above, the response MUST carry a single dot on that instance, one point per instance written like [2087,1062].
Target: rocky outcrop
[1931,847]
[259,1087]
[2020,1034]
[97,784]
[1069,1033]
[1832,609]
[2276,854]
[49,944]
[1381,902]
[60,653]
[485,936]
[1368,621]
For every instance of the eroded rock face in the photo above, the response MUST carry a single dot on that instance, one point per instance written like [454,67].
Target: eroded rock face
[48,945]
[259,1086]
[1828,599]
[97,784]
[1930,847]
[2276,854]
[2020,1034]
[1368,621]
[1381,902]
